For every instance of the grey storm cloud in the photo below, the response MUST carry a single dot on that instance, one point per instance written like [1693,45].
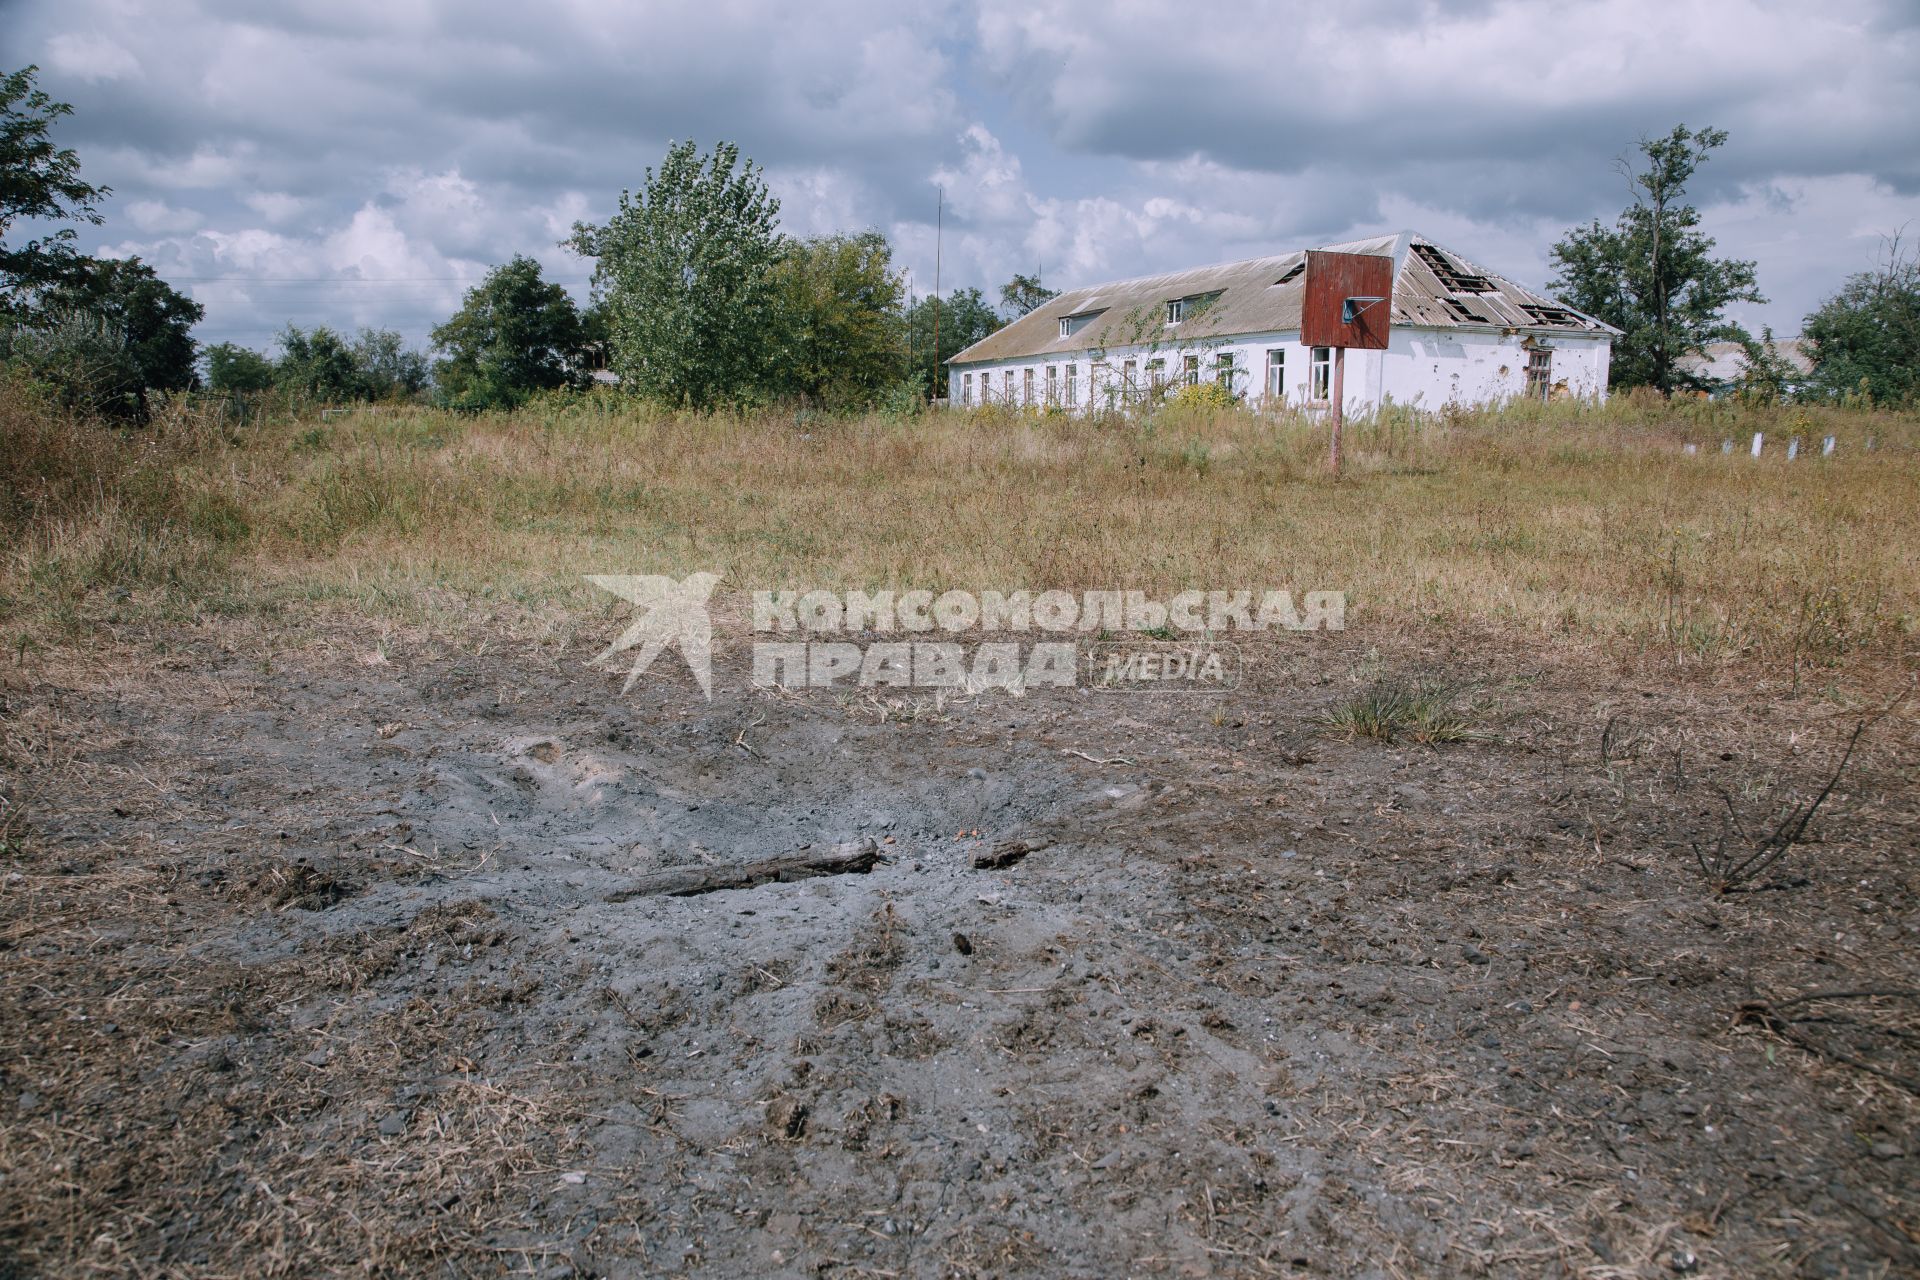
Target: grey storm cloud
[362,161]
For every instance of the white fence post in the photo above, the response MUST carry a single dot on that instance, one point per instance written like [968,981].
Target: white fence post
[1793,448]
[1826,447]
[1757,439]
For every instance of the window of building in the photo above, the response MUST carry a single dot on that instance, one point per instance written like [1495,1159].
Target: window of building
[966,388]
[1129,380]
[1540,372]
[1006,387]
[1156,373]
[1320,375]
[1066,326]
[1277,373]
[1053,385]
[1223,370]
[1190,370]
[1026,386]
[1176,310]
[1073,386]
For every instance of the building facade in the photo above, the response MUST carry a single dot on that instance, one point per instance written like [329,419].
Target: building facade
[1458,335]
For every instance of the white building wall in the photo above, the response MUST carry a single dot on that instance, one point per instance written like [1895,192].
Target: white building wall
[1423,368]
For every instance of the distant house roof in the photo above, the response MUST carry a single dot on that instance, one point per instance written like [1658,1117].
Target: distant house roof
[1434,287]
[1725,363]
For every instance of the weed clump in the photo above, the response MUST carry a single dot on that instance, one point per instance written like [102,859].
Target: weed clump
[1424,711]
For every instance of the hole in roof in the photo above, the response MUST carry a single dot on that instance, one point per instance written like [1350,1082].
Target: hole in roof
[1452,278]
[1551,316]
[1292,272]
[1461,311]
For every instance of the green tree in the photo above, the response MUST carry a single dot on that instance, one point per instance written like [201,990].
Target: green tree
[155,321]
[965,318]
[840,319]
[385,368]
[1652,274]
[687,270]
[1866,338]
[317,363]
[1023,294]
[39,182]
[516,334]
[233,369]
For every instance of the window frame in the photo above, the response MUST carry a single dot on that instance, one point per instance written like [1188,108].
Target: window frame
[1053,386]
[1176,311]
[1072,386]
[1277,373]
[1320,374]
[1190,371]
[1026,386]
[1540,373]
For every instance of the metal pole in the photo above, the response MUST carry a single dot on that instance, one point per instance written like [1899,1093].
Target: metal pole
[939,222]
[1339,397]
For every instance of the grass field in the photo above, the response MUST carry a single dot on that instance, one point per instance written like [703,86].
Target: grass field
[1588,524]
[1493,936]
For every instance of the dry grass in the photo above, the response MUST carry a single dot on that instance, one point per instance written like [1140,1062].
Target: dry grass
[1538,521]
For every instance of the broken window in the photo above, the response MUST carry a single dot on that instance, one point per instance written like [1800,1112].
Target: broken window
[1053,385]
[1320,375]
[1006,387]
[966,388]
[1190,370]
[1277,373]
[1539,373]
[1129,386]
[1452,278]
[1157,373]
[1026,386]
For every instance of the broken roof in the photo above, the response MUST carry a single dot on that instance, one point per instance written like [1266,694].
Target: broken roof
[1434,287]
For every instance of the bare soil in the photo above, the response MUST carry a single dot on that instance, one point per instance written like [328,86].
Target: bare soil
[330,953]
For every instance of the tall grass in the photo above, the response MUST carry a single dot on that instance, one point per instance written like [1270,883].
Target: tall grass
[1539,519]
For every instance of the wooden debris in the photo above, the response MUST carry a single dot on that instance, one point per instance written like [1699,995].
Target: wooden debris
[856,858]
[1008,852]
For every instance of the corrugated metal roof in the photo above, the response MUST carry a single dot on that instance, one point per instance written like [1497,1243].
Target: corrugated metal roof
[1434,287]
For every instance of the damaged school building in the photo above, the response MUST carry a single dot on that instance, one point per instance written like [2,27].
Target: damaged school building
[1460,334]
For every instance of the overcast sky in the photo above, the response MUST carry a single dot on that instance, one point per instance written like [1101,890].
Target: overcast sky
[361,162]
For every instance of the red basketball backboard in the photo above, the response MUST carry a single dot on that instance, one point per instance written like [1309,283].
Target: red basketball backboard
[1332,279]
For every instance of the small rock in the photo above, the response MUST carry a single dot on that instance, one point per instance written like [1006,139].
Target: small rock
[963,944]
[1682,1262]
[318,1058]
[394,1125]
[28,1101]
[1885,1151]
[978,775]
[1473,955]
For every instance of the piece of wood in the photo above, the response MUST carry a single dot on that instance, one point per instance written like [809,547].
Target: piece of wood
[1008,852]
[857,858]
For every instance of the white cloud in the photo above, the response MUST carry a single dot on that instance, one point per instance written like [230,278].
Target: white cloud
[90,57]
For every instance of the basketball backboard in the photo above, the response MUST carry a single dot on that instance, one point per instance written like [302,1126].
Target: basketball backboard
[1326,319]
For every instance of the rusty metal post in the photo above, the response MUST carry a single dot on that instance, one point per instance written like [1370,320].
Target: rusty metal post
[1339,403]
